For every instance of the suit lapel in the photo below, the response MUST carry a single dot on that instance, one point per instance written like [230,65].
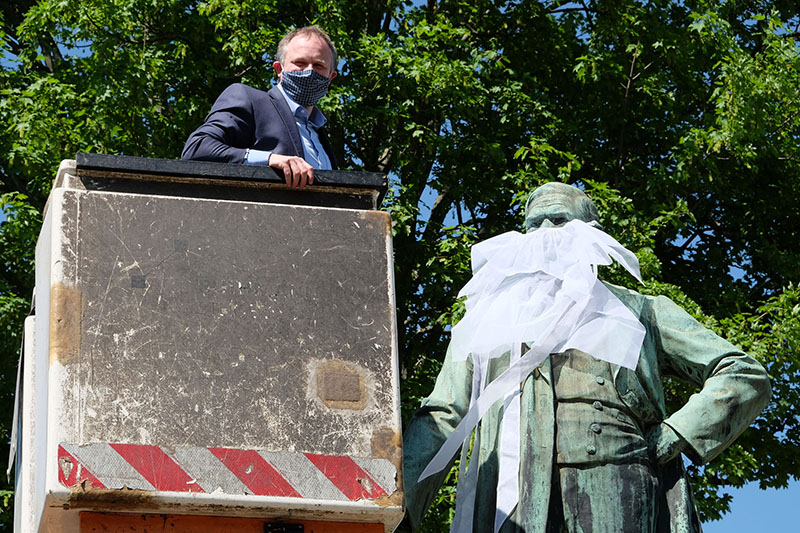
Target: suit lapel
[289,123]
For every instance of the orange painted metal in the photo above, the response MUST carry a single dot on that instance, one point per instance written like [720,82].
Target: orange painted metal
[149,523]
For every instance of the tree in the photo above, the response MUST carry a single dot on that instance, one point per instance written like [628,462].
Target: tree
[680,118]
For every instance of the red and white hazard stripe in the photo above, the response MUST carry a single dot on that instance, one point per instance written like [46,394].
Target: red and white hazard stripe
[231,471]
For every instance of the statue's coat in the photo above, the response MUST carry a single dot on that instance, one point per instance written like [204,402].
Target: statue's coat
[734,388]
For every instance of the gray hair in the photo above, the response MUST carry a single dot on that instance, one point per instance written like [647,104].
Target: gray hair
[307,31]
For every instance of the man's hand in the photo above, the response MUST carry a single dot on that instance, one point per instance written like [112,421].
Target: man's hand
[296,170]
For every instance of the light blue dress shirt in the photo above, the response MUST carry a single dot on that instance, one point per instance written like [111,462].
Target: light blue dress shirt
[307,125]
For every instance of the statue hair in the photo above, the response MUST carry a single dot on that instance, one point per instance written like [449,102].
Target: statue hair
[587,210]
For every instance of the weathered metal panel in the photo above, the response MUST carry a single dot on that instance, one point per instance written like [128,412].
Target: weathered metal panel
[212,323]
[203,179]
[25,513]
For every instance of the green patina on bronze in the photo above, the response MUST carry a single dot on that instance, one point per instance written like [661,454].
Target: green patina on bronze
[607,422]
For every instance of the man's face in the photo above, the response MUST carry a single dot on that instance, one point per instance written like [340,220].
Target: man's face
[553,205]
[306,52]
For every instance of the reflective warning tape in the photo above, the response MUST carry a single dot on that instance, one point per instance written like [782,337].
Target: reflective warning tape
[231,471]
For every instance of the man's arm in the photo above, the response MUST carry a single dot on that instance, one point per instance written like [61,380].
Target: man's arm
[734,387]
[228,130]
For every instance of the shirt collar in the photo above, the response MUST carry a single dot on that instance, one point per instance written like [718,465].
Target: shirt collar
[316,119]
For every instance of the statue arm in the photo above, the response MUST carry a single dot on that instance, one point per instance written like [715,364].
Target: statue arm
[734,387]
[430,426]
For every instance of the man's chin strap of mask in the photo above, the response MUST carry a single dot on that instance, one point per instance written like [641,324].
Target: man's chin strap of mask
[539,289]
[305,87]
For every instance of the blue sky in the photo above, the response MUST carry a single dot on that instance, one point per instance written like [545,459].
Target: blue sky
[754,510]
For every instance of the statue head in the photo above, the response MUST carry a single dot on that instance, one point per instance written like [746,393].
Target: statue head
[554,204]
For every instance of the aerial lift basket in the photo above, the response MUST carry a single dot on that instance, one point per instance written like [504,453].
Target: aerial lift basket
[210,351]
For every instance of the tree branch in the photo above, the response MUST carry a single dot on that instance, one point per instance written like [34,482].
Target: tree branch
[568,9]
[621,143]
[787,120]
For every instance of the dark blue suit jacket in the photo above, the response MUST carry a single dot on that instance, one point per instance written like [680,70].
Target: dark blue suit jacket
[242,118]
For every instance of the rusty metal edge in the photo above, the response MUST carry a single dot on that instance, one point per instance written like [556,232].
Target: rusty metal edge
[144,166]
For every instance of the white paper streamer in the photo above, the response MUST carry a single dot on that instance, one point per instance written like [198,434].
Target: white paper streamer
[508,459]
[468,475]
[539,288]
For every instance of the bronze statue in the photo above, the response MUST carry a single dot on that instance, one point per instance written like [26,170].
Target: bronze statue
[597,450]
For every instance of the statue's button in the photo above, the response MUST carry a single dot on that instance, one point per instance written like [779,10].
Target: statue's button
[596,428]
[591,450]
[597,405]
[600,380]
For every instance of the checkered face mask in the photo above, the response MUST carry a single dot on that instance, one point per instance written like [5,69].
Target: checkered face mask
[305,87]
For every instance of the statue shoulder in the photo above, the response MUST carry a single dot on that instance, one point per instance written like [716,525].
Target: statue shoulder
[625,294]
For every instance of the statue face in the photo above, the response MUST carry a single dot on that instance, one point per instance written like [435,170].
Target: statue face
[553,205]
